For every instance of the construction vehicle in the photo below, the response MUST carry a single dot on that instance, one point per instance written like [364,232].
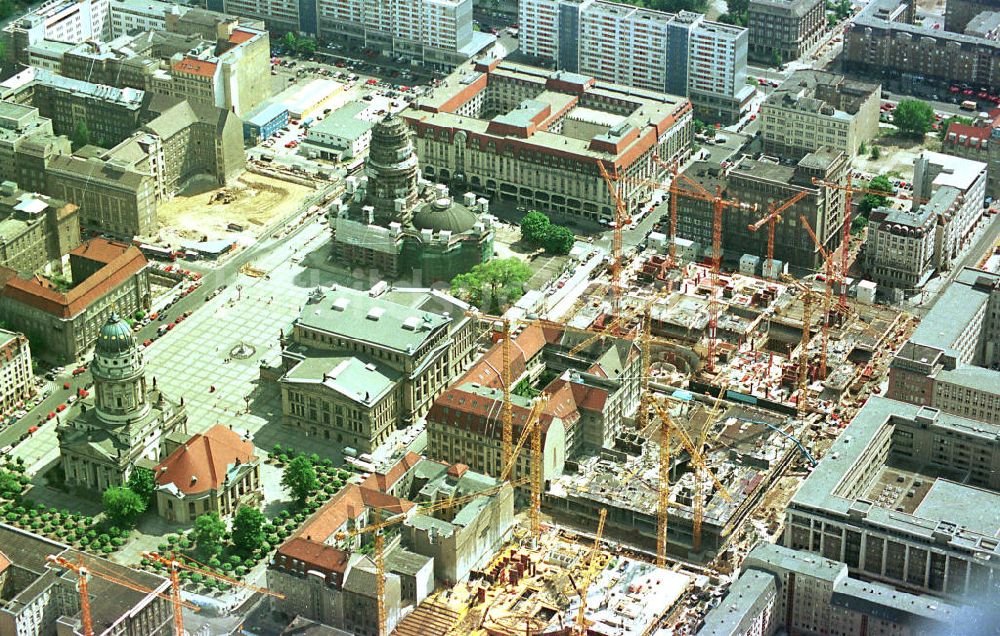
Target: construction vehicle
[175,565]
[773,217]
[532,427]
[84,572]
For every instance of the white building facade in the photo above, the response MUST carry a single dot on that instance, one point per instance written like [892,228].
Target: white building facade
[15,370]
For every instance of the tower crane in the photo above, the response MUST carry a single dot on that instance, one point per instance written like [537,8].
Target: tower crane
[588,577]
[774,217]
[808,296]
[532,427]
[698,461]
[508,412]
[83,573]
[719,205]
[850,189]
[700,447]
[175,565]
[622,218]
[833,275]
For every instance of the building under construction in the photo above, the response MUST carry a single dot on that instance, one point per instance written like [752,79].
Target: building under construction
[745,448]
[537,590]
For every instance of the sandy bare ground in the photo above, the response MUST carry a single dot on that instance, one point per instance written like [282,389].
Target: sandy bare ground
[257,202]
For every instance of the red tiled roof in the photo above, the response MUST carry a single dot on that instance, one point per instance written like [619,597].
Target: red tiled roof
[979,132]
[384,482]
[195,67]
[526,346]
[349,504]
[457,470]
[37,293]
[4,562]
[239,36]
[201,463]
[313,555]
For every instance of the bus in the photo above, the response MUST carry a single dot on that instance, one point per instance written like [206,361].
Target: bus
[969,105]
[155,251]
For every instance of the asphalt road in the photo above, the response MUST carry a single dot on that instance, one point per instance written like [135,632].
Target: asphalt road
[212,278]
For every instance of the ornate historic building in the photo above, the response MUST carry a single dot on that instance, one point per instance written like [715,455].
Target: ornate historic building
[124,423]
[394,222]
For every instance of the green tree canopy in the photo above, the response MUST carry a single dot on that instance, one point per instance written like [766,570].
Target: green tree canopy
[248,529]
[558,240]
[290,41]
[913,117]
[81,135]
[533,227]
[872,201]
[10,485]
[300,478]
[142,482]
[494,284]
[209,529]
[123,506]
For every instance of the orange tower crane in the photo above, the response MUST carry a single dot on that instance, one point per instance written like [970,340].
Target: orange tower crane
[508,412]
[176,565]
[622,218]
[834,275]
[774,217]
[83,573]
[808,296]
[719,205]
[845,246]
[701,447]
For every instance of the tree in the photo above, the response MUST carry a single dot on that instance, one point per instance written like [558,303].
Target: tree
[123,506]
[10,485]
[306,46]
[300,478]
[81,135]
[209,529]
[913,117]
[290,42]
[875,153]
[493,284]
[142,482]
[248,529]
[533,227]
[558,240]
[872,201]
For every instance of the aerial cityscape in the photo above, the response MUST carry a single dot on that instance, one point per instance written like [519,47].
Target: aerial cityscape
[499,317]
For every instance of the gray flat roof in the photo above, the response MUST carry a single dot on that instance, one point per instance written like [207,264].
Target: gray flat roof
[344,122]
[952,313]
[979,510]
[746,598]
[356,378]
[357,316]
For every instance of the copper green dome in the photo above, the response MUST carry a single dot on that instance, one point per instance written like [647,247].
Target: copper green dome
[115,336]
[444,214]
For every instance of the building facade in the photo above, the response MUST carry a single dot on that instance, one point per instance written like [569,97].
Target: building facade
[856,506]
[125,423]
[17,379]
[787,591]
[949,363]
[35,230]
[535,137]
[884,40]
[978,141]
[107,277]
[679,54]
[812,109]
[906,247]
[782,31]
[214,471]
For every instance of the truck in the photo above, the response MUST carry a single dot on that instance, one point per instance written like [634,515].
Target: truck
[968,105]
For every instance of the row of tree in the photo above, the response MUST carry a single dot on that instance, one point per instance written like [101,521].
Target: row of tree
[299,45]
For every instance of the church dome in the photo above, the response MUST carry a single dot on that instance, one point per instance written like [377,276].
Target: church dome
[444,214]
[115,336]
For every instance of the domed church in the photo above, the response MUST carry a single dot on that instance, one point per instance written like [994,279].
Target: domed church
[395,222]
[123,423]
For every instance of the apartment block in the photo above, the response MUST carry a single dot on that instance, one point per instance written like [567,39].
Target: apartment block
[782,31]
[951,361]
[681,54]
[793,592]
[884,40]
[816,108]
[905,248]
[16,377]
[57,21]
[535,137]
[766,183]
[882,501]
